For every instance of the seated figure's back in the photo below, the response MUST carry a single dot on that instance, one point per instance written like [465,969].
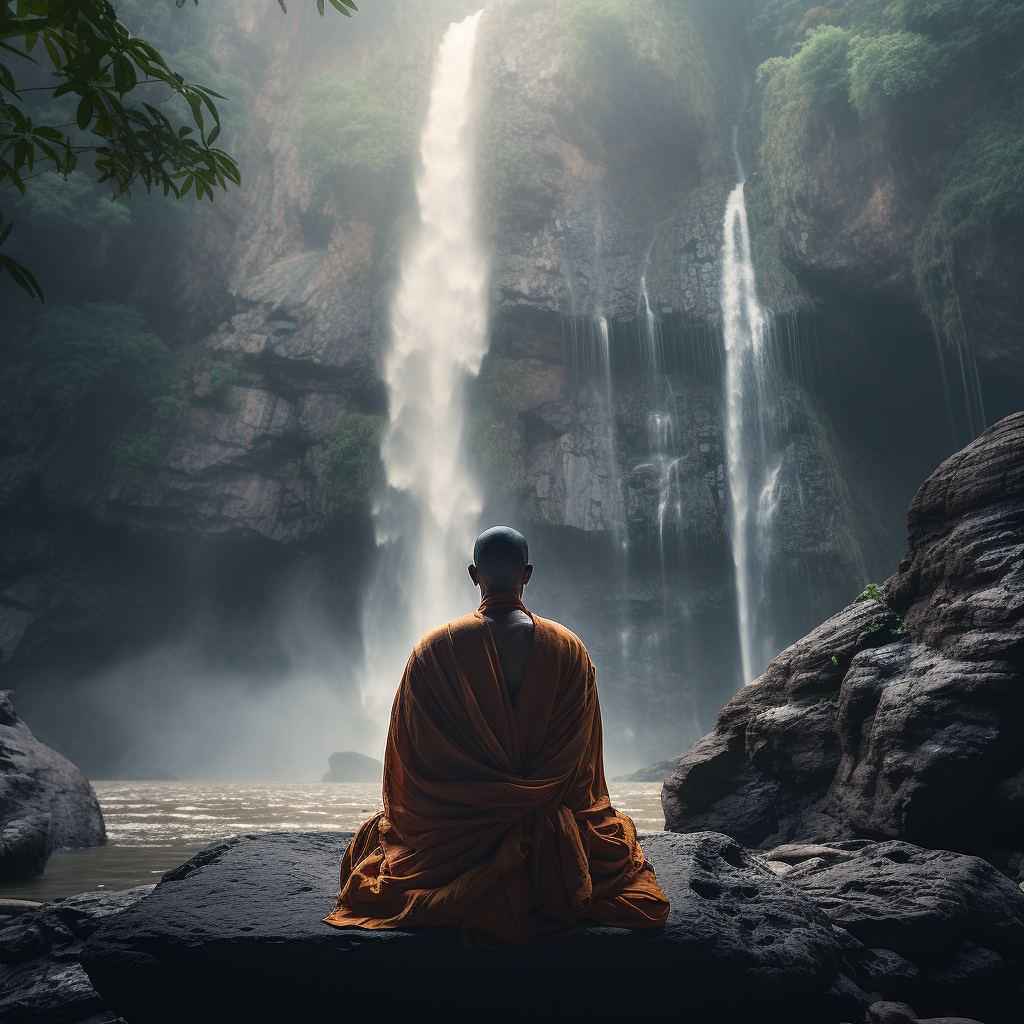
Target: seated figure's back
[512,632]
[496,812]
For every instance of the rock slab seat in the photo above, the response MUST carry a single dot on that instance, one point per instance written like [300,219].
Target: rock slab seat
[237,932]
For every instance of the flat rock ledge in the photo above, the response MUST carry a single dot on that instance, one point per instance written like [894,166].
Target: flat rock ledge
[862,932]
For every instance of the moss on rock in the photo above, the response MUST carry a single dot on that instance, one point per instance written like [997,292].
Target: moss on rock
[350,471]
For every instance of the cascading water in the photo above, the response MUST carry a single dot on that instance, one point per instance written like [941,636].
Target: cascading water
[439,320]
[753,465]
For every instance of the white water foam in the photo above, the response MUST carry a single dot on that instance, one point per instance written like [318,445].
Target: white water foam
[746,330]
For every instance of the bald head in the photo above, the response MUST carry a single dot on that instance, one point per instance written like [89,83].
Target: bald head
[501,559]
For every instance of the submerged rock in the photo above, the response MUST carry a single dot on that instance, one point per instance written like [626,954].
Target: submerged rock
[46,803]
[900,717]
[348,766]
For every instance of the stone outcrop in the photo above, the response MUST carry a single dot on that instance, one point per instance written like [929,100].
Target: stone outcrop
[41,979]
[937,930]
[900,717]
[845,932]
[251,900]
[45,801]
[348,766]
[852,195]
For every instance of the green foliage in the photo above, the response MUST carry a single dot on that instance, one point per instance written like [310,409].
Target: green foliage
[96,59]
[821,69]
[873,592]
[102,356]
[136,457]
[495,432]
[983,193]
[342,125]
[100,369]
[666,46]
[95,65]
[777,287]
[892,66]
[351,470]
[222,377]
[768,68]
[899,49]
[782,25]
[597,33]
[74,204]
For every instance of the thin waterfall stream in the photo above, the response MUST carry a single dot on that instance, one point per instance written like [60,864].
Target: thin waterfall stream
[752,462]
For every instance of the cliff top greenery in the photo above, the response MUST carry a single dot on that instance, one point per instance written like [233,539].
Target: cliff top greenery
[878,56]
[342,124]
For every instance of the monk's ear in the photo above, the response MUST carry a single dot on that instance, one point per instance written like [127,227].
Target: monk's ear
[527,574]
[473,576]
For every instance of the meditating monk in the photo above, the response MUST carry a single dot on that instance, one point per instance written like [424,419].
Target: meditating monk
[496,814]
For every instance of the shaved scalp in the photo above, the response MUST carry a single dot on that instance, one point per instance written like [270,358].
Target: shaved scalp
[501,556]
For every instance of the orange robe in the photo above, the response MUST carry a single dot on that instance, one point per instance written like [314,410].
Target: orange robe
[495,820]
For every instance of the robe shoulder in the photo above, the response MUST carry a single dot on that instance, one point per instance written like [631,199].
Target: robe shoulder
[565,638]
[554,632]
[444,635]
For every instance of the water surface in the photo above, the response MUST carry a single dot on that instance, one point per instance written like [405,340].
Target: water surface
[155,826]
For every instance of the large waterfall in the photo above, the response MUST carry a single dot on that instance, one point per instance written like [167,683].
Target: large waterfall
[752,461]
[439,320]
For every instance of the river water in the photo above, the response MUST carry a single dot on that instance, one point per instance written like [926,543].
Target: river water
[154,826]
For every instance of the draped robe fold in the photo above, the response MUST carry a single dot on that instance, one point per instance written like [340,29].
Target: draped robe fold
[496,818]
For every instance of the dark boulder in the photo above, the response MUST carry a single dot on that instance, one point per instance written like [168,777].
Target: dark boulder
[45,801]
[237,930]
[41,980]
[348,766]
[939,930]
[901,717]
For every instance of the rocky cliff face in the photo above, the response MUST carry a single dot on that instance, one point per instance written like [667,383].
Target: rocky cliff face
[900,716]
[604,138]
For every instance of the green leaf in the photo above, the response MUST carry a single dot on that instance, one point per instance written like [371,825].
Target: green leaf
[84,115]
[21,276]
